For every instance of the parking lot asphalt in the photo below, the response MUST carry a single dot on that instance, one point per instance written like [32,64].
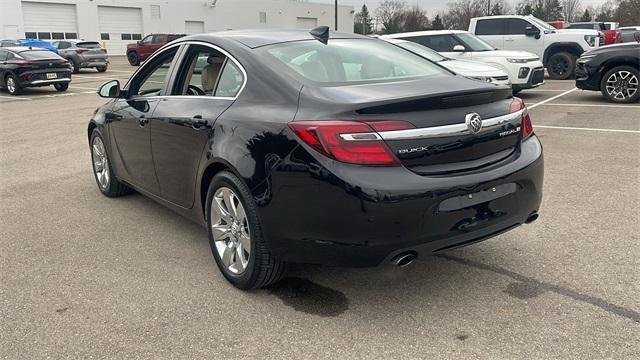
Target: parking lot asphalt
[85,276]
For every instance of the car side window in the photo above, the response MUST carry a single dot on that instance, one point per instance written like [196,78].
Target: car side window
[147,39]
[3,55]
[440,43]
[206,71]
[157,39]
[517,26]
[490,27]
[153,77]
[230,81]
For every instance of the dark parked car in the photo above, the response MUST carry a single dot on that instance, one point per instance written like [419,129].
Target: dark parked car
[612,70]
[22,67]
[330,149]
[83,54]
[142,49]
[629,33]
[610,36]
[29,43]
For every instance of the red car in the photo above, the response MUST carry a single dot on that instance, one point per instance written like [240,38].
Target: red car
[142,49]
[610,36]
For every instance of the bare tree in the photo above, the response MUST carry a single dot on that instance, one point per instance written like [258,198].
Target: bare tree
[461,12]
[415,19]
[390,13]
[571,9]
[628,12]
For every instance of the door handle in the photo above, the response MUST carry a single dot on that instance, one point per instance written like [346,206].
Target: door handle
[142,121]
[197,122]
[510,40]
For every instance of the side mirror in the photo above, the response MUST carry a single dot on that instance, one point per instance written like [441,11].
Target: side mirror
[139,42]
[459,48]
[530,30]
[110,89]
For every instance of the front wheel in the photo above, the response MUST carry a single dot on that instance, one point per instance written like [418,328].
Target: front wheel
[561,66]
[235,235]
[620,85]
[101,69]
[61,86]
[102,170]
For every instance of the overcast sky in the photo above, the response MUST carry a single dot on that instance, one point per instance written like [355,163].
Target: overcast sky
[432,6]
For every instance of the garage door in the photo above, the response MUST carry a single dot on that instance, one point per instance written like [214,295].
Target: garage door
[194,27]
[119,26]
[306,23]
[49,21]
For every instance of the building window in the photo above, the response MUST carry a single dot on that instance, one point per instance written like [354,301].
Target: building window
[263,17]
[30,35]
[44,35]
[136,36]
[57,35]
[104,36]
[70,35]
[155,11]
[125,36]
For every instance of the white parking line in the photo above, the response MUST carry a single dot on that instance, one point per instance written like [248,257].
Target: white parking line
[552,98]
[14,98]
[544,90]
[595,105]
[84,88]
[587,129]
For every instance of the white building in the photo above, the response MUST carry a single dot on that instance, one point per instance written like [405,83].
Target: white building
[118,22]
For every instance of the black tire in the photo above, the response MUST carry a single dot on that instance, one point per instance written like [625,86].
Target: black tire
[133,58]
[61,86]
[633,76]
[14,89]
[114,188]
[101,69]
[516,91]
[75,67]
[561,66]
[262,268]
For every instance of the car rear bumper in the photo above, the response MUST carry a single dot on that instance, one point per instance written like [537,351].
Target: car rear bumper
[364,216]
[39,77]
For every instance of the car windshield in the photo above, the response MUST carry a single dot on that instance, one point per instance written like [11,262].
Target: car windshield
[541,23]
[474,43]
[423,51]
[39,55]
[343,61]
[88,45]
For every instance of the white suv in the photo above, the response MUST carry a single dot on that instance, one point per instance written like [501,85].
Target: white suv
[525,69]
[558,49]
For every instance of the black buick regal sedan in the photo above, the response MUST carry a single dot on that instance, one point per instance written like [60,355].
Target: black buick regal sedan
[317,147]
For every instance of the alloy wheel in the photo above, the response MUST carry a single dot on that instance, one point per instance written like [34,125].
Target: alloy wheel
[560,66]
[622,85]
[11,84]
[230,229]
[100,163]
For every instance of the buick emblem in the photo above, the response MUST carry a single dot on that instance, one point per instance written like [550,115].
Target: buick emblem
[474,122]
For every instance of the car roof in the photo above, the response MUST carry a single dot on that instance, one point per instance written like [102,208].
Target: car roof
[18,49]
[262,37]
[423,33]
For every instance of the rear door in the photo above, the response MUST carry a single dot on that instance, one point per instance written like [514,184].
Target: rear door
[183,119]
[491,31]
[129,122]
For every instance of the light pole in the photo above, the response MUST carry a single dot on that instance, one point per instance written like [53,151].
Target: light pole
[336,14]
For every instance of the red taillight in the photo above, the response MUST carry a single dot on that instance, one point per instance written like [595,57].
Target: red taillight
[24,62]
[350,142]
[526,127]
[80,51]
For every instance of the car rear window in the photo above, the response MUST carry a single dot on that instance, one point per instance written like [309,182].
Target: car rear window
[88,45]
[39,55]
[350,61]
[171,37]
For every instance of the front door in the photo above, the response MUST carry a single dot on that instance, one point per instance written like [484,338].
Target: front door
[129,123]
[205,85]
[515,37]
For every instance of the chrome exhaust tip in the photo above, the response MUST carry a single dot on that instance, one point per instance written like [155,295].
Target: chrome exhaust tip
[404,259]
